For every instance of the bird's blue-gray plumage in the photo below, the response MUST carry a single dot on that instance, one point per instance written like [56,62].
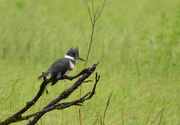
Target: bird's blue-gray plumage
[62,66]
[59,66]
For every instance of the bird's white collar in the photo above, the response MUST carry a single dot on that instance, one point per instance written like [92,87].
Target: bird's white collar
[69,57]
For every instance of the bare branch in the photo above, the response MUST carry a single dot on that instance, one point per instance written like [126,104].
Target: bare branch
[60,106]
[94,15]
[66,93]
[93,18]
[18,116]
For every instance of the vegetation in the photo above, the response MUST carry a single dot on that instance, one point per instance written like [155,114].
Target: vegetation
[138,47]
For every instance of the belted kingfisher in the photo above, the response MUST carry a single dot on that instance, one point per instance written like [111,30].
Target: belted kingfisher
[63,66]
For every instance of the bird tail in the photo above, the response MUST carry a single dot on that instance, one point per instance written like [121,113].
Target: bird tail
[43,75]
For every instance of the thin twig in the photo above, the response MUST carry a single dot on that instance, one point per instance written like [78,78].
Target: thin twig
[104,3]
[11,90]
[83,33]
[94,15]
[93,18]
[89,11]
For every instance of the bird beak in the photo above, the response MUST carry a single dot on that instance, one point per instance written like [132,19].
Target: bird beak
[79,58]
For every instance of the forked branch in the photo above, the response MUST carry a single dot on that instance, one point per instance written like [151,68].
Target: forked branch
[94,15]
[54,104]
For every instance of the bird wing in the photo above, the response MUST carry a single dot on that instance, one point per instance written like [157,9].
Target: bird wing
[59,65]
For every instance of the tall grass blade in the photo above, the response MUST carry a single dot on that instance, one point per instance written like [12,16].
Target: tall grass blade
[162,110]
[96,119]
[161,116]
[148,117]
[107,105]
[122,114]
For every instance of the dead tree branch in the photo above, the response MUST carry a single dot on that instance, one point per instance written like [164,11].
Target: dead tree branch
[55,103]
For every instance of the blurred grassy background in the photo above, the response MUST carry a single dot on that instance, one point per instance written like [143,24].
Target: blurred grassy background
[138,48]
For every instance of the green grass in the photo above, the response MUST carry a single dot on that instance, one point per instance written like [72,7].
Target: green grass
[138,48]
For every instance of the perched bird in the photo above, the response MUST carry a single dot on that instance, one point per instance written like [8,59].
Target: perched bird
[63,66]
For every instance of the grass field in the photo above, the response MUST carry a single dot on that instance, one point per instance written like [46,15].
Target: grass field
[138,48]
